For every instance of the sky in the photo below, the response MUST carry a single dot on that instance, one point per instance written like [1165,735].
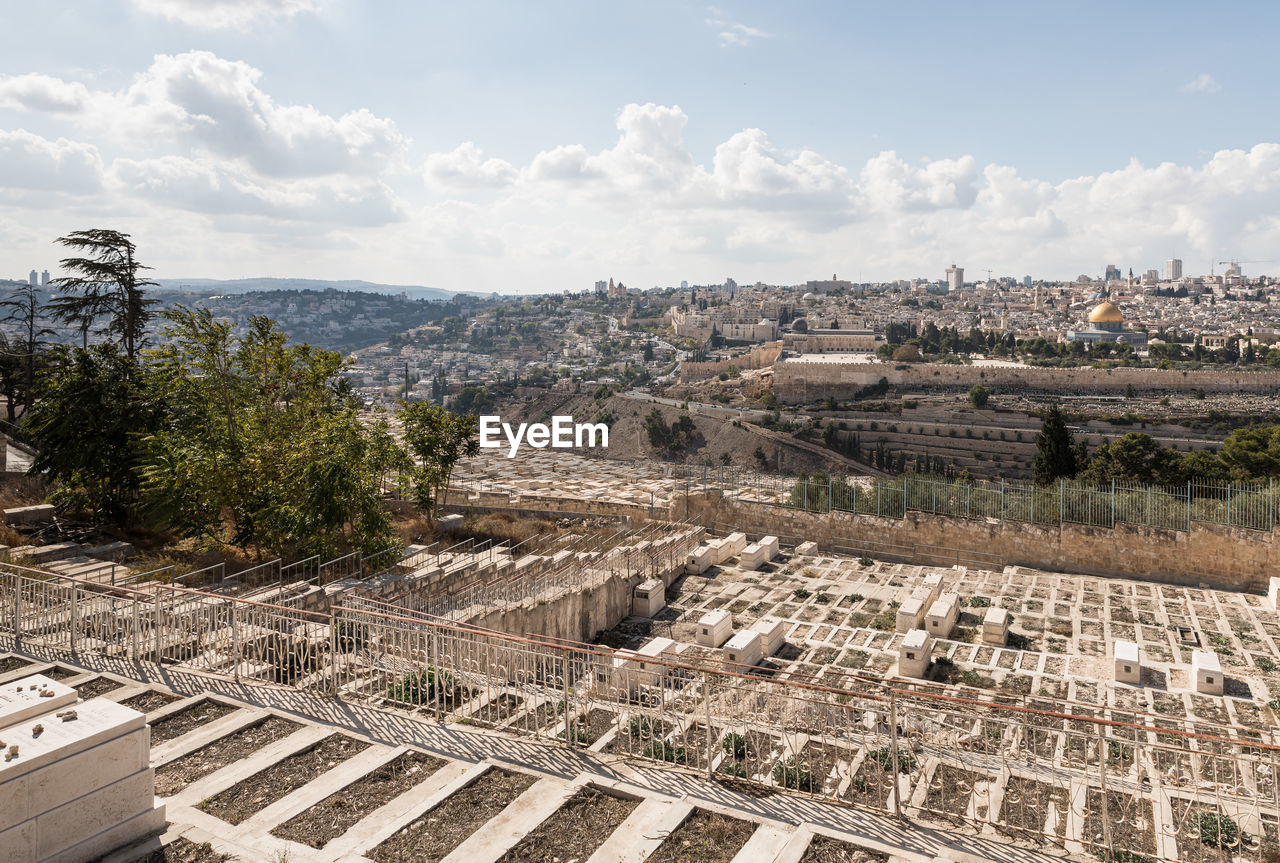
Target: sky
[536,147]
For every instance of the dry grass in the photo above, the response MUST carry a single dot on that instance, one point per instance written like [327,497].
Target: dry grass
[497,526]
[21,490]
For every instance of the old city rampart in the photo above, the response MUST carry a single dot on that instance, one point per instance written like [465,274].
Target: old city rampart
[798,382]
[756,358]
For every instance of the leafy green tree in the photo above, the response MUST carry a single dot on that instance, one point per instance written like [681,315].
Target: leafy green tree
[979,395]
[91,410]
[1252,453]
[261,448]
[1055,449]
[437,439]
[106,282]
[1134,457]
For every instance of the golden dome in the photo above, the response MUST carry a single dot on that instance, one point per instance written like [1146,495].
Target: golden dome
[1105,312]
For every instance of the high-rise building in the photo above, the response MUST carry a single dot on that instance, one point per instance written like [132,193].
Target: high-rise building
[1026,281]
[44,277]
[955,278]
[32,279]
[1113,273]
[602,287]
[1173,269]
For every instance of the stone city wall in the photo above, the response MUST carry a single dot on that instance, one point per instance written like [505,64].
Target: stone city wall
[756,358]
[798,382]
[1217,555]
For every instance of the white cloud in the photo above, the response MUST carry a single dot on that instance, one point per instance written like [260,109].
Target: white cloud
[1202,83]
[749,169]
[201,151]
[466,166]
[35,92]
[210,187]
[889,183]
[731,34]
[216,106]
[222,14]
[34,163]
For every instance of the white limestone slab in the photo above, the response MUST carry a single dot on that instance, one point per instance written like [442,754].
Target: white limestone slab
[23,698]
[97,721]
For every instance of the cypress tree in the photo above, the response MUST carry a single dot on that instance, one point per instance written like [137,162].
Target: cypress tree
[1055,450]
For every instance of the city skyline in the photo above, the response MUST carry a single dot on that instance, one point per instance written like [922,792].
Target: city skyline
[499,148]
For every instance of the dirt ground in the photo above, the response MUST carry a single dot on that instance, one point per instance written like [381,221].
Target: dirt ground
[145,702]
[433,836]
[242,801]
[187,719]
[183,851]
[824,849]
[336,814]
[97,686]
[575,831]
[176,775]
[704,837]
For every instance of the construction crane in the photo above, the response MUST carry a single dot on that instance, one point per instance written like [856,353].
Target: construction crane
[1235,265]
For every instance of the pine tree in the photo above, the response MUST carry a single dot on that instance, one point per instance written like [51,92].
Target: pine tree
[1055,450]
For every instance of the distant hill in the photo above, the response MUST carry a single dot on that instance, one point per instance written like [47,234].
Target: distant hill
[244,286]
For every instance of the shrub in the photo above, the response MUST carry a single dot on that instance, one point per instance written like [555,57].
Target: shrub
[419,687]
[735,745]
[661,750]
[793,773]
[884,758]
[1218,831]
[801,593]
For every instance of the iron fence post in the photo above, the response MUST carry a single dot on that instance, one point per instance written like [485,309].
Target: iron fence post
[1062,501]
[706,700]
[893,753]
[17,607]
[1102,778]
[137,628]
[564,674]
[1113,504]
[235,643]
[333,652]
[75,614]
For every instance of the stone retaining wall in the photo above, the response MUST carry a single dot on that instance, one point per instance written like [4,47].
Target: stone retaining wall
[1216,555]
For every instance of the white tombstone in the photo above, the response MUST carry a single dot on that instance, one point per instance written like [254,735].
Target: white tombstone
[626,671]
[449,523]
[773,634]
[914,653]
[753,556]
[910,614]
[805,549]
[736,542]
[995,626]
[1273,592]
[75,786]
[744,648]
[1207,671]
[701,559]
[721,550]
[941,617]
[651,673]
[1128,660]
[714,628]
[650,598]
[933,583]
[770,545]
